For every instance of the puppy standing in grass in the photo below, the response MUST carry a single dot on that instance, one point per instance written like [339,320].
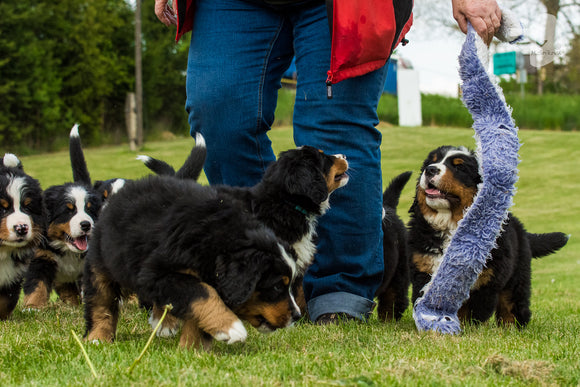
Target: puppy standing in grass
[22,222]
[292,195]
[448,184]
[72,210]
[173,241]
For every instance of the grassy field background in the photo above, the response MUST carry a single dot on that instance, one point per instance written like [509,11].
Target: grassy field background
[38,348]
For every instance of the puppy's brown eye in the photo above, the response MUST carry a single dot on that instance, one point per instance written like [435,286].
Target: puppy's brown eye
[70,206]
[458,161]
[89,205]
[27,201]
[285,280]
[4,203]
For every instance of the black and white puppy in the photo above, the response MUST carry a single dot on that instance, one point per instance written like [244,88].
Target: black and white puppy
[393,294]
[22,222]
[72,211]
[174,242]
[446,188]
[289,199]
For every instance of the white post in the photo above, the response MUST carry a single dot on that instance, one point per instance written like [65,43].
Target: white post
[409,97]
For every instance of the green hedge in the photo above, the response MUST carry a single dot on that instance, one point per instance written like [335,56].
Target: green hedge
[550,111]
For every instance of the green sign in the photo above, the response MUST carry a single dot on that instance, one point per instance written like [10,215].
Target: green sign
[504,63]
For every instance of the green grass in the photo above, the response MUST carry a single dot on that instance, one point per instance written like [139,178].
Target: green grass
[38,348]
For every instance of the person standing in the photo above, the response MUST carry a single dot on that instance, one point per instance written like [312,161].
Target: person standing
[238,53]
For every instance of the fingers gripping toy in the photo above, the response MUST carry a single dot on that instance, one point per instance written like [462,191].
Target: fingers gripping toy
[497,149]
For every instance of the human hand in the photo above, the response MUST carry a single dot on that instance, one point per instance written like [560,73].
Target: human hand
[165,12]
[484,16]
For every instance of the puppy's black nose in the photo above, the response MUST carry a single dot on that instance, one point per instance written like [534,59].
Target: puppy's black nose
[21,229]
[86,226]
[296,315]
[431,171]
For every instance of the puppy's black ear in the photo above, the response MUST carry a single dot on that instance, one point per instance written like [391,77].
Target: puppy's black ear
[236,280]
[304,180]
[238,274]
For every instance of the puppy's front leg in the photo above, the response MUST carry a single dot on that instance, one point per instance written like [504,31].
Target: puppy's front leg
[191,335]
[39,279]
[215,318]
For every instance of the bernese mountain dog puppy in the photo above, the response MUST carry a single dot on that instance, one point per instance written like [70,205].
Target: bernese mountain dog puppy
[393,294]
[72,210]
[175,242]
[293,193]
[106,188]
[446,188]
[22,222]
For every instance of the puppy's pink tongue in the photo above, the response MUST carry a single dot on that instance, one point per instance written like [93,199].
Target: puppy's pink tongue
[432,191]
[81,243]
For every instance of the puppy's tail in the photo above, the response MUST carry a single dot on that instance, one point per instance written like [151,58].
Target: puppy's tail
[77,158]
[10,161]
[159,167]
[192,167]
[392,194]
[546,244]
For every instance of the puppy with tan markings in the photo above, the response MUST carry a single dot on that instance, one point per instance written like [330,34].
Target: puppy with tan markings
[447,186]
[173,241]
[22,221]
[289,199]
[72,210]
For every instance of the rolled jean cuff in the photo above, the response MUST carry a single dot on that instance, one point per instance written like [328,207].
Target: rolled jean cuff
[340,302]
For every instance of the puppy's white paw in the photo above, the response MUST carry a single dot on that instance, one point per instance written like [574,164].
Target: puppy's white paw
[163,331]
[236,333]
[30,310]
[166,332]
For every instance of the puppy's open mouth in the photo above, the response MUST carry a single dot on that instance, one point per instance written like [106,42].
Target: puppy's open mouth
[433,193]
[340,177]
[80,243]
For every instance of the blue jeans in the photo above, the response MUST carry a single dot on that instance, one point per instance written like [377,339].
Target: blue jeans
[238,53]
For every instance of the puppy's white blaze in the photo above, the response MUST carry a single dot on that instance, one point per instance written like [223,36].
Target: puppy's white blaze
[74,132]
[305,248]
[143,158]
[117,185]
[288,259]
[79,195]
[10,160]
[293,266]
[199,140]
[17,217]
[441,165]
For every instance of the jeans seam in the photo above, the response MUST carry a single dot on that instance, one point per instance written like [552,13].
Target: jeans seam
[261,92]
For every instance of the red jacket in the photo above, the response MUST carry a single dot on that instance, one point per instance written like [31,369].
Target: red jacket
[364,33]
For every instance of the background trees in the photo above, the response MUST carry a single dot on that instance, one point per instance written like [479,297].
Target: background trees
[71,61]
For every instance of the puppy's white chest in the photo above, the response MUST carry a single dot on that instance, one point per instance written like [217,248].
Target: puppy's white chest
[70,267]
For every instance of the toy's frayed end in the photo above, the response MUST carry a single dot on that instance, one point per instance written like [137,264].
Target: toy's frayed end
[511,30]
[435,321]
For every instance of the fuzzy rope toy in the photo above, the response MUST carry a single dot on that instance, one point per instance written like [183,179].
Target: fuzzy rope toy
[497,149]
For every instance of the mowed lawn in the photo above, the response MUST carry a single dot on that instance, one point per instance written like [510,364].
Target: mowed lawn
[38,348]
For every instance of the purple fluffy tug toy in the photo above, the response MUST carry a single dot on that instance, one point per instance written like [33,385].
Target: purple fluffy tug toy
[497,149]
